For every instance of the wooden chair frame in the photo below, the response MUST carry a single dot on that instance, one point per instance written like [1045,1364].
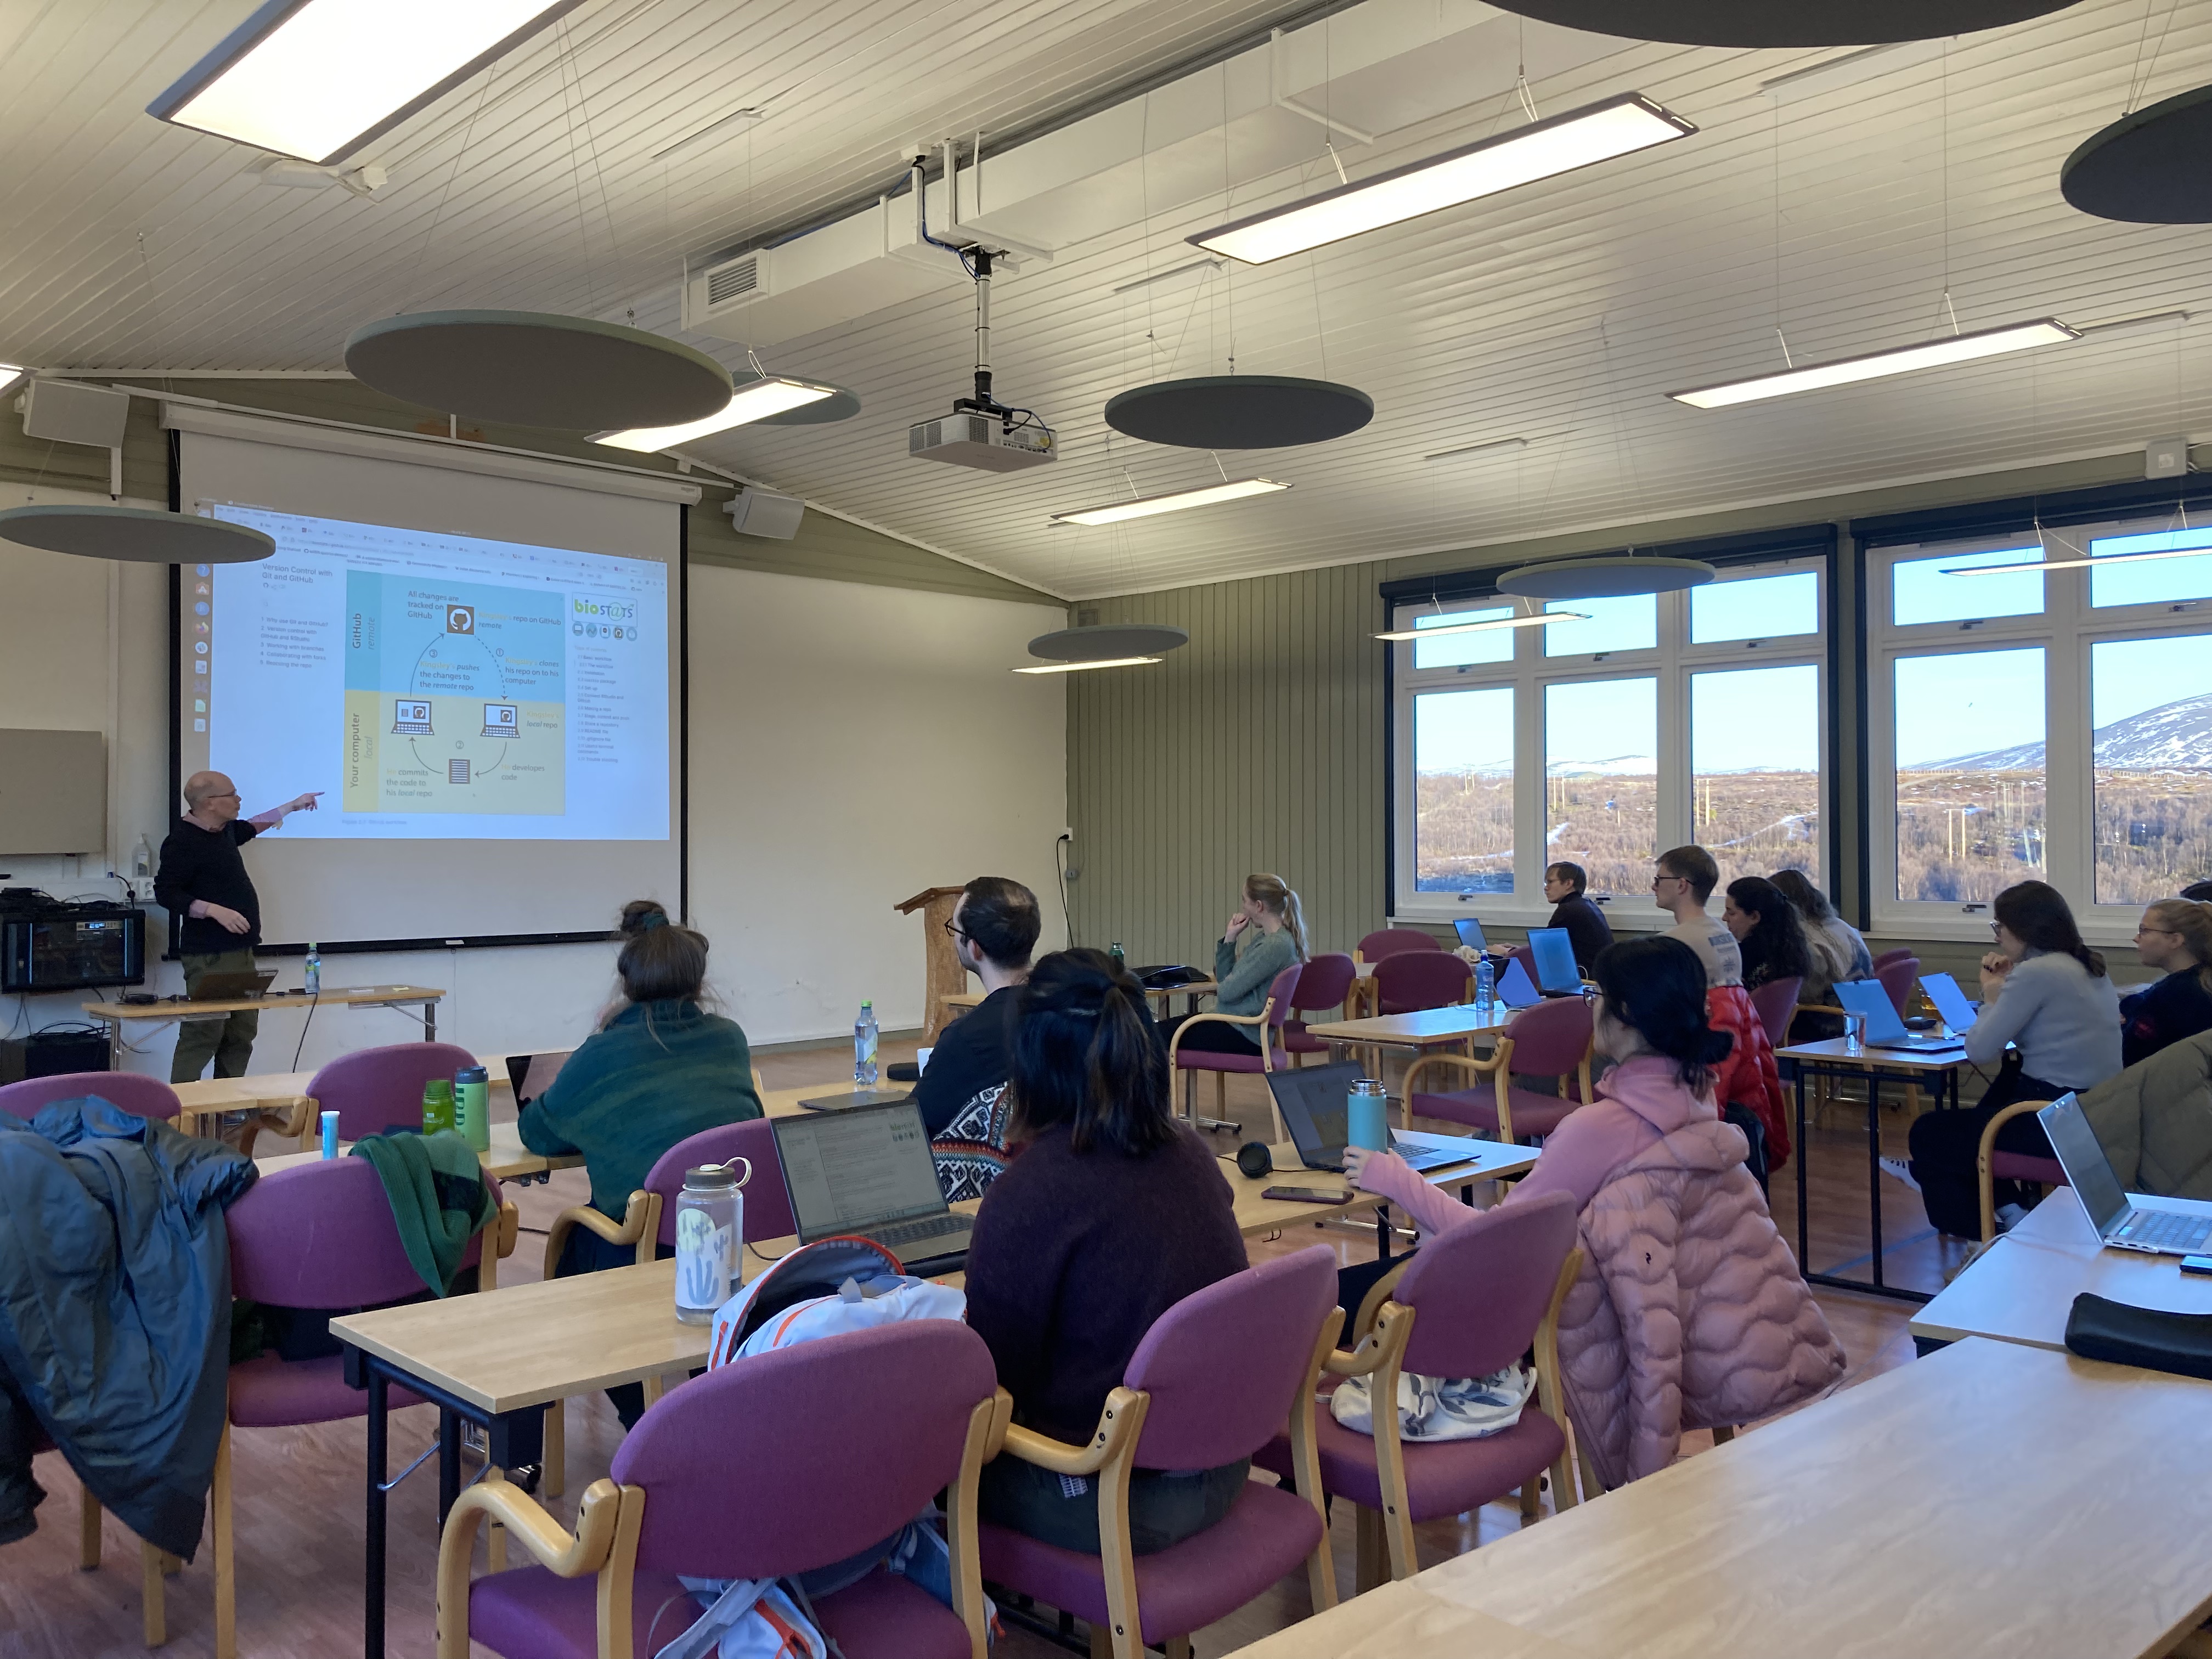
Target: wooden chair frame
[1221,1078]
[1379,1356]
[1111,1455]
[1985,1162]
[605,1544]
[639,1226]
[1498,1068]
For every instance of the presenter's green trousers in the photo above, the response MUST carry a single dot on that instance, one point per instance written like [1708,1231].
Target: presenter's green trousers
[228,1038]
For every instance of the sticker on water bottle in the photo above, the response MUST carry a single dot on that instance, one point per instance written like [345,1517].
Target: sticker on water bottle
[702,1261]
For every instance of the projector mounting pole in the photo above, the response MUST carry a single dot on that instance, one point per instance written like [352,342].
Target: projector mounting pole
[982,403]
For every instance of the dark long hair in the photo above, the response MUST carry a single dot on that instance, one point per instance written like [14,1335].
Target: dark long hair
[1776,947]
[1656,985]
[1797,887]
[1086,1054]
[2038,915]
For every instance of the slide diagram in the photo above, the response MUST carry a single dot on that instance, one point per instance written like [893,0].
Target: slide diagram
[456,697]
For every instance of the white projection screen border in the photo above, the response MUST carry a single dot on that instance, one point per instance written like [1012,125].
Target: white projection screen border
[477,655]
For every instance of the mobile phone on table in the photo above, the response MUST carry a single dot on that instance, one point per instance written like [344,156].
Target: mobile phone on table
[2197,1264]
[1305,1195]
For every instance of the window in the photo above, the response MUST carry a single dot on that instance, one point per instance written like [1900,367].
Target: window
[1602,742]
[2048,724]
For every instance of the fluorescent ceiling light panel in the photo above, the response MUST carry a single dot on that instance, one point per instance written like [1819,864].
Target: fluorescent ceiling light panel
[2097,564]
[1496,446]
[756,402]
[1619,126]
[320,79]
[10,373]
[1144,506]
[1900,359]
[1543,621]
[1078,667]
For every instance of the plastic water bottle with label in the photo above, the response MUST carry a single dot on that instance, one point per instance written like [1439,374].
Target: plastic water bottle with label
[864,1046]
[314,972]
[709,1221]
[1486,986]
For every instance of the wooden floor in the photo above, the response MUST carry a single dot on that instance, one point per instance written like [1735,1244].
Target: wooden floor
[299,1490]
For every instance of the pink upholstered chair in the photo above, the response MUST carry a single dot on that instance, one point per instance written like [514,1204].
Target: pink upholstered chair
[373,1089]
[141,1095]
[1390,941]
[1897,978]
[1414,979]
[1218,1377]
[1264,1028]
[1468,1303]
[1992,1165]
[650,1223]
[315,1235]
[1889,956]
[1776,1003]
[1550,1039]
[771,1466]
[1325,983]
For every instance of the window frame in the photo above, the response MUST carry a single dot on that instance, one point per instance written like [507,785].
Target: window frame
[1531,673]
[2067,629]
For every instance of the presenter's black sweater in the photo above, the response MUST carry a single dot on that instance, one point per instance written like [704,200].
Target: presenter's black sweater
[205,864]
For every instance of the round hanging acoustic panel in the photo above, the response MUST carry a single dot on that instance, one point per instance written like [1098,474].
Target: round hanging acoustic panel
[530,368]
[2147,168]
[1106,641]
[840,405]
[1603,578]
[137,535]
[1780,22]
[1240,411]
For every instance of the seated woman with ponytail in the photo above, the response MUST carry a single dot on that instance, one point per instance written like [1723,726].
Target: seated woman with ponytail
[2176,938]
[1266,934]
[1690,1311]
[1110,1213]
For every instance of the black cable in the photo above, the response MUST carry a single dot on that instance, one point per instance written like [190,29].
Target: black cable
[1059,870]
[298,1047]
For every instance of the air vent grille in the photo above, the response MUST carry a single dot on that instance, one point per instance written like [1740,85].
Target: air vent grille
[733,280]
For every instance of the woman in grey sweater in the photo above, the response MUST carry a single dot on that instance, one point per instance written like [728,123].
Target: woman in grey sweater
[1265,934]
[2046,995]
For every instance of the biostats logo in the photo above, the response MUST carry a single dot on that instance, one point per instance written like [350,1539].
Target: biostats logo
[612,610]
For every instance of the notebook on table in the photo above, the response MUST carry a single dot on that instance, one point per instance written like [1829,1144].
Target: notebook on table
[2110,1208]
[869,1174]
[1315,1103]
[1884,1030]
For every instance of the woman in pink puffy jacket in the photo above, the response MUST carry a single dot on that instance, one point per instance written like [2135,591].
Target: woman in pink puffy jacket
[1690,1311]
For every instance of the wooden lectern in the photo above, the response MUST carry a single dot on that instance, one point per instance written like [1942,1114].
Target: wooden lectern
[947,977]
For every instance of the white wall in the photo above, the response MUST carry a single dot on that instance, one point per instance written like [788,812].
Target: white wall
[850,746]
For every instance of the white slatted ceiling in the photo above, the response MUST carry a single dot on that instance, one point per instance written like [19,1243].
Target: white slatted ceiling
[1567,309]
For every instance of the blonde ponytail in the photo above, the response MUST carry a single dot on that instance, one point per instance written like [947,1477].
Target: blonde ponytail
[1275,895]
[2192,921]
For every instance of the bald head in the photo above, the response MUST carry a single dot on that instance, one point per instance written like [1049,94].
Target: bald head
[211,797]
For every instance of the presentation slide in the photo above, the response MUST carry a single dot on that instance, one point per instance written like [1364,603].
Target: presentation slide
[436,686]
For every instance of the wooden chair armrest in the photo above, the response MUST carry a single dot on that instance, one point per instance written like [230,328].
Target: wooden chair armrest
[568,1556]
[1550,1396]
[1822,1008]
[498,1235]
[1472,1068]
[1175,1044]
[510,1228]
[1370,1305]
[1118,1422]
[1984,1161]
[1002,1419]
[1383,1346]
[629,1230]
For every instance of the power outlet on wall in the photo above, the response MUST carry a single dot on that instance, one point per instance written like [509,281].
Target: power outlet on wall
[1071,871]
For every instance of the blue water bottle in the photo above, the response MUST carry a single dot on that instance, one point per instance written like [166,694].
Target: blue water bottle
[1486,986]
[864,1046]
[1367,1117]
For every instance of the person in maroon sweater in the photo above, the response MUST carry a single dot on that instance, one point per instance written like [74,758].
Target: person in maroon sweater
[1110,1213]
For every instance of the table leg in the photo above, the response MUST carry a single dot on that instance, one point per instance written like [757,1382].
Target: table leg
[430,1022]
[115,1042]
[1804,1261]
[1381,1232]
[372,1640]
[449,1463]
[1874,1166]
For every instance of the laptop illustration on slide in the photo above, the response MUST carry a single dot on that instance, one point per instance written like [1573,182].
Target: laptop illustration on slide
[1884,1030]
[410,717]
[2109,1208]
[1556,973]
[1470,932]
[502,719]
[1950,1001]
[1515,989]
[869,1174]
[1315,1107]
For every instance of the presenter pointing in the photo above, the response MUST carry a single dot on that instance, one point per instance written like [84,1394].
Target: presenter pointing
[214,915]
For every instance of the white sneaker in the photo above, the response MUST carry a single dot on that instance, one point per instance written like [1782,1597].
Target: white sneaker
[2009,1215]
[1899,1170]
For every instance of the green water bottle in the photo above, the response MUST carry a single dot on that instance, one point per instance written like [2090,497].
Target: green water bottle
[437,1105]
[472,1105]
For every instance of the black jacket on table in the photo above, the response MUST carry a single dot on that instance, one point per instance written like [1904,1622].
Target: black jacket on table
[2177,1006]
[1588,931]
[205,864]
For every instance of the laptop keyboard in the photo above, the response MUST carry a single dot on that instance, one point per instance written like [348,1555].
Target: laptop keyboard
[2169,1228]
[914,1233]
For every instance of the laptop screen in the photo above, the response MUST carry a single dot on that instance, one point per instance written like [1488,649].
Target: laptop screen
[1470,932]
[1316,1104]
[1950,1001]
[1866,997]
[2088,1171]
[1556,973]
[860,1168]
[1515,989]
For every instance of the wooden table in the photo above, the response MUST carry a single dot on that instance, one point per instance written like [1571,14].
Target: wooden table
[1991,1500]
[2022,1288]
[1430,1028]
[1839,1057]
[1194,990]
[116,1015]
[507,1160]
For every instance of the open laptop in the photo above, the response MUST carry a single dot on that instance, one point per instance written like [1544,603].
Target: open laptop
[1556,973]
[1950,1001]
[2110,1208]
[869,1174]
[531,1075]
[1515,989]
[230,984]
[1470,932]
[1884,1030]
[1315,1106]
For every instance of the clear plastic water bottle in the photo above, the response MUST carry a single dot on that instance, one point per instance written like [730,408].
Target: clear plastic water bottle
[864,1046]
[1486,986]
[709,1220]
[314,974]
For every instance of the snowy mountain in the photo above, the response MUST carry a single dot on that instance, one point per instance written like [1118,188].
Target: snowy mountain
[2173,736]
[1614,766]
